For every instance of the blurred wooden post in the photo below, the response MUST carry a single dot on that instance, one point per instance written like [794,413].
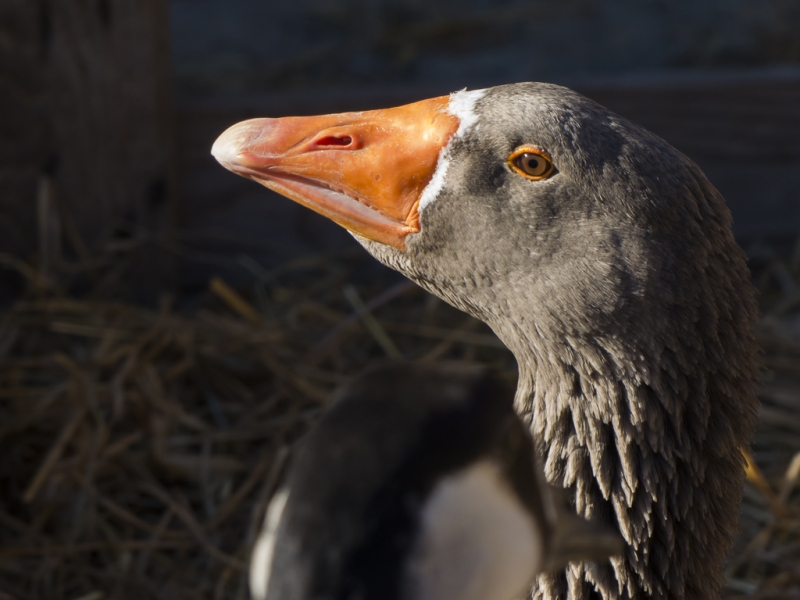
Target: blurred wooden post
[85,127]
[24,134]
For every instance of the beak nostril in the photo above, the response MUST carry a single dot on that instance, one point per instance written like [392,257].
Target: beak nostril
[334,140]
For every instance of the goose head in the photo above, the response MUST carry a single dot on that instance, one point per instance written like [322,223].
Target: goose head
[602,257]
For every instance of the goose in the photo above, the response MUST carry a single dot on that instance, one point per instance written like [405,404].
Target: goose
[418,482]
[603,258]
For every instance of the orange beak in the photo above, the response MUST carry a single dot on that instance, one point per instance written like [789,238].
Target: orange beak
[366,171]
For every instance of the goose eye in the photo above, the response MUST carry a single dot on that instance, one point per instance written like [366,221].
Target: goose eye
[531,163]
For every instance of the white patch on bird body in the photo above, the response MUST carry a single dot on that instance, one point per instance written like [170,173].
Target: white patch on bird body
[462,106]
[264,549]
[477,540]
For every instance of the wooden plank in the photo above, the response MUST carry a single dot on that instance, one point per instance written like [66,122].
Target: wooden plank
[88,114]
[108,78]
[24,135]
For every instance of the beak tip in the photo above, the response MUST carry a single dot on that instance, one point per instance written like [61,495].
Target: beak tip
[229,146]
[226,148]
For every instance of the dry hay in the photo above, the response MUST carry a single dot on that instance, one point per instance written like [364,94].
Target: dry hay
[139,447]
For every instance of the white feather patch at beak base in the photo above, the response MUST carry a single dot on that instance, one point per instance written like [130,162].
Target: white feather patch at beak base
[462,106]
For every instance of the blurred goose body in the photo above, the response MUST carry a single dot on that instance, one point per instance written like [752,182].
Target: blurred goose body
[418,483]
[603,258]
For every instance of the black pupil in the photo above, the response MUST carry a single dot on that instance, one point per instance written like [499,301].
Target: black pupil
[532,163]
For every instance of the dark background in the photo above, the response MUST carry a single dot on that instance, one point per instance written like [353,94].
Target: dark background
[307,44]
